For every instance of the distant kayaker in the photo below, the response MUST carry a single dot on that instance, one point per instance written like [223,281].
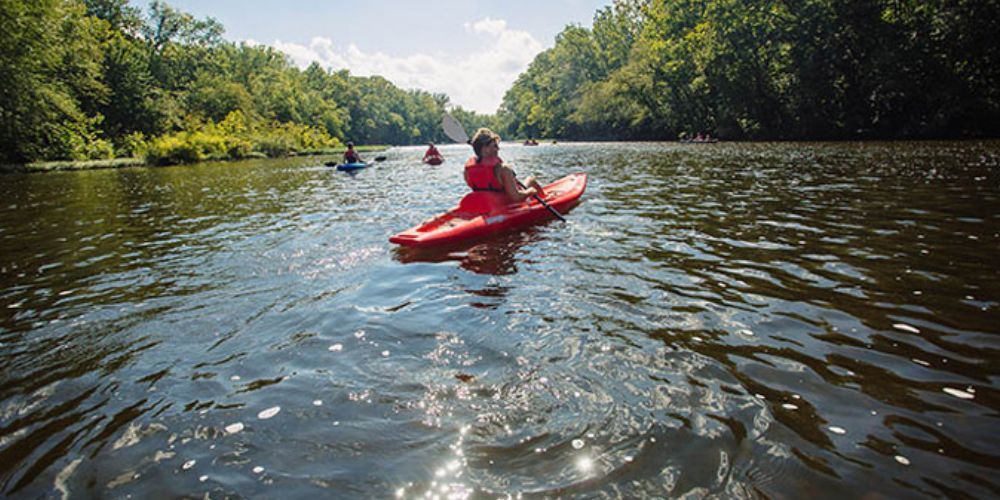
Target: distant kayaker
[432,152]
[351,156]
[486,171]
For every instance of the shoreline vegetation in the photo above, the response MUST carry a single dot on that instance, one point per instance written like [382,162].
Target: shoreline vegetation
[64,165]
[68,165]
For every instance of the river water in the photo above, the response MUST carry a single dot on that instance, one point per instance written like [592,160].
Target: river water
[725,320]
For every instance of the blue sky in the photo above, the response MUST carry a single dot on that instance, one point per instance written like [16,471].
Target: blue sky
[471,50]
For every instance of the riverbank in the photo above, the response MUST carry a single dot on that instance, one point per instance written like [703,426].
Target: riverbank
[62,165]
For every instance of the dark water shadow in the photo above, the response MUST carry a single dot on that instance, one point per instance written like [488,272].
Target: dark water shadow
[494,255]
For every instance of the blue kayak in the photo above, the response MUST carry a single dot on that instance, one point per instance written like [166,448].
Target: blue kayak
[351,166]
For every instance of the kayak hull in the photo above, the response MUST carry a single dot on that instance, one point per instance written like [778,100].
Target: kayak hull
[351,166]
[481,214]
[434,160]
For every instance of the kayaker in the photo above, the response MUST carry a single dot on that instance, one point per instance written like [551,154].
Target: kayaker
[486,171]
[351,156]
[432,152]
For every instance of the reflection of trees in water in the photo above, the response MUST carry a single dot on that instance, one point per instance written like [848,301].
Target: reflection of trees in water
[125,233]
[91,249]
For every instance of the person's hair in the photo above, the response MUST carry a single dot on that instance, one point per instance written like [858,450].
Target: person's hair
[481,138]
[350,144]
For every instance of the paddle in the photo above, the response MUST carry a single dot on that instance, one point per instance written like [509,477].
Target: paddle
[456,132]
[335,163]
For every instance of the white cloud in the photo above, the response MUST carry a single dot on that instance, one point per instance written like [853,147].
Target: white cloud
[475,81]
[492,26]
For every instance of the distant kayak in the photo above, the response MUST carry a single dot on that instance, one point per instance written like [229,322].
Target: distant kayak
[694,141]
[484,213]
[351,166]
[434,160]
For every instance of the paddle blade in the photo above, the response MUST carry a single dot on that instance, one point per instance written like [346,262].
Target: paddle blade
[379,158]
[453,129]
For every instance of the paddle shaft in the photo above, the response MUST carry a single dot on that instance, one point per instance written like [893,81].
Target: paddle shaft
[546,205]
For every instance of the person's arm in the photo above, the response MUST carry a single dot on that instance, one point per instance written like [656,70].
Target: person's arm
[514,192]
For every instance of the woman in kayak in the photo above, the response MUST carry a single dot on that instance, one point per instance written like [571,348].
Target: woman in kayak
[486,171]
[432,152]
[351,156]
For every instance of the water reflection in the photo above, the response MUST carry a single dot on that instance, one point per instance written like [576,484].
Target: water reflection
[496,255]
[745,320]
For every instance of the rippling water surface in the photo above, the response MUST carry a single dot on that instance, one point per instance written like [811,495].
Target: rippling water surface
[729,320]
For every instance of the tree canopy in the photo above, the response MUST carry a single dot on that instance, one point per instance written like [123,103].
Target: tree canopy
[83,79]
[769,69]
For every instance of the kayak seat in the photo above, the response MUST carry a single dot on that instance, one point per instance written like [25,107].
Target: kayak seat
[482,202]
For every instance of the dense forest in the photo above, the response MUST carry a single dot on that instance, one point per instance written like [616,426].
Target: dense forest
[92,79]
[767,69]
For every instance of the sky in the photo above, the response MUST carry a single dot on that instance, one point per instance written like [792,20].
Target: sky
[471,50]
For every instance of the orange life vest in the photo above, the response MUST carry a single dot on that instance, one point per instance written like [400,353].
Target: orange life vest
[481,175]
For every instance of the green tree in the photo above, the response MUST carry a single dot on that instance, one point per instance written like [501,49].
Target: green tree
[49,62]
[121,17]
[768,69]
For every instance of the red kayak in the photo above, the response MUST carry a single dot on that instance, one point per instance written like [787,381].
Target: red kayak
[483,213]
[434,160]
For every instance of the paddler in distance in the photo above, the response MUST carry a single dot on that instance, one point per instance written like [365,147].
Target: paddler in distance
[432,153]
[351,156]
